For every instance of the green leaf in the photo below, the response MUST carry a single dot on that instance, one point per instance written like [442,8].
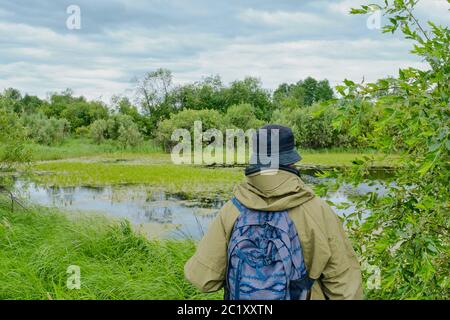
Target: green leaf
[358,11]
[349,83]
[341,90]
[425,167]
[432,248]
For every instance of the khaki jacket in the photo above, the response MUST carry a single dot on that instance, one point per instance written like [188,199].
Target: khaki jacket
[329,256]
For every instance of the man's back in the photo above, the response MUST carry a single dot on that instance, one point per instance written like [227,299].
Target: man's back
[328,254]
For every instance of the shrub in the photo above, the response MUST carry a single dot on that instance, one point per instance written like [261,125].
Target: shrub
[98,130]
[116,122]
[315,126]
[45,130]
[242,116]
[119,127]
[82,131]
[185,120]
[12,145]
[129,136]
[82,113]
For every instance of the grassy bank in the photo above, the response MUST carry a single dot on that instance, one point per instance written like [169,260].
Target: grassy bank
[84,147]
[38,245]
[172,178]
[149,151]
[157,170]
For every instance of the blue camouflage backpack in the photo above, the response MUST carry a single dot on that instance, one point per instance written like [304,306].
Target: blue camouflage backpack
[265,260]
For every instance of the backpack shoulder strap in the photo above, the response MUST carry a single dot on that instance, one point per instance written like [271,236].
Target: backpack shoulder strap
[239,205]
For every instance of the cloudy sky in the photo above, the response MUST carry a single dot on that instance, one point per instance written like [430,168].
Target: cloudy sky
[276,41]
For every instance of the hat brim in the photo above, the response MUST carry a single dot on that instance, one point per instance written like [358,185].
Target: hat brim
[289,157]
[285,158]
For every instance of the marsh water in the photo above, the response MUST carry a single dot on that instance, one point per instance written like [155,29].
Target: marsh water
[158,214]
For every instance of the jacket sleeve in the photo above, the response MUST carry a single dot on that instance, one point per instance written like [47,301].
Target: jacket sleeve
[207,267]
[341,277]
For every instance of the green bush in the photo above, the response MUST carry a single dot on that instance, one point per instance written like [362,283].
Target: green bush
[242,116]
[315,127]
[10,125]
[83,113]
[129,136]
[406,236]
[117,121]
[43,130]
[185,120]
[98,130]
[120,128]
[82,131]
[13,148]
[250,90]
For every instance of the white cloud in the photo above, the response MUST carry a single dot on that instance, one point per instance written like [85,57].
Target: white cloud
[40,79]
[26,52]
[292,61]
[25,35]
[344,6]
[143,41]
[436,10]
[429,9]
[275,45]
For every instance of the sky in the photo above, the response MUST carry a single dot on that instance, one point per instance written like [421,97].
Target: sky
[275,41]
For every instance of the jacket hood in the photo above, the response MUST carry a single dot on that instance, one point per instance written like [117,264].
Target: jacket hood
[273,190]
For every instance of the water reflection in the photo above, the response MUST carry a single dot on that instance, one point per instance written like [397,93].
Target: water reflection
[175,217]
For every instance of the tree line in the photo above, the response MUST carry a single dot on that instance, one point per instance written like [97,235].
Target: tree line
[158,106]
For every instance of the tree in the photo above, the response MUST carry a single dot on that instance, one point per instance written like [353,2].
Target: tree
[12,94]
[242,116]
[58,102]
[122,105]
[205,94]
[289,95]
[83,113]
[323,91]
[211,119]
[11,99]
[250,91]
[310,88]
[13,150]
[153,93]
[406,234]
[303,93]
[31,104]
[153,89]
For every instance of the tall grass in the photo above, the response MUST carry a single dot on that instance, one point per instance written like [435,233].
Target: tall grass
[38,245]
[149,150]
[84,147]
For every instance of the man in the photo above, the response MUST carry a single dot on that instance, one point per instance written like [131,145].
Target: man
[327,253]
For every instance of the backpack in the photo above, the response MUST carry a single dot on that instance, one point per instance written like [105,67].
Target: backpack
[265,260]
